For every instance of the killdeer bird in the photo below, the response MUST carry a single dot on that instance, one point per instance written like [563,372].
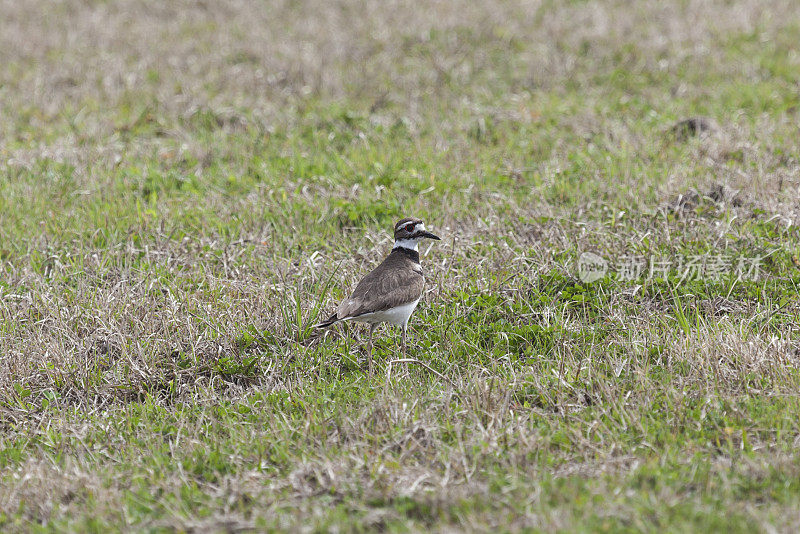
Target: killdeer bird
[392,290]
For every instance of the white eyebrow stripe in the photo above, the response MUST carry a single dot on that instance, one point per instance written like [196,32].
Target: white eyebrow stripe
[417,226]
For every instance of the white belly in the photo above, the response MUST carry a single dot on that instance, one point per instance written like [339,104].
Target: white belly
[398,316]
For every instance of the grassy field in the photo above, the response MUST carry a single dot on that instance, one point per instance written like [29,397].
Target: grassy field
[186,187]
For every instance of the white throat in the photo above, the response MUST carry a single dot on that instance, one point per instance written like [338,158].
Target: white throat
[410,244]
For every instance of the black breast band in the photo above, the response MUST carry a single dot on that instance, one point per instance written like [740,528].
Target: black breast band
[413,254]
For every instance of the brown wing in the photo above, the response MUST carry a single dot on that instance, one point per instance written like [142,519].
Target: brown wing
[391,284]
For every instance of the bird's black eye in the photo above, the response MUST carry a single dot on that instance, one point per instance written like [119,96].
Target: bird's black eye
[409,227]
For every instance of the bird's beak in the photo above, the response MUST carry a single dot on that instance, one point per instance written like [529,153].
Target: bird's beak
[431,236]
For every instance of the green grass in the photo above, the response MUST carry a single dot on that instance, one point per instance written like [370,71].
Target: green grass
[186,190]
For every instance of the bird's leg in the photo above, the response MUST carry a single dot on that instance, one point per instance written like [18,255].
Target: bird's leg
[403,346]
[369,347]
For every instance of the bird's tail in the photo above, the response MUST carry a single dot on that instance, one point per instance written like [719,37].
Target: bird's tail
[332,319]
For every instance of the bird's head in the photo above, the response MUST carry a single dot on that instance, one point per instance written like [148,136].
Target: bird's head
[409,232]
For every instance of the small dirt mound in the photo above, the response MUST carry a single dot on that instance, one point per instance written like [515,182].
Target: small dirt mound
[693,127]
[718,193]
